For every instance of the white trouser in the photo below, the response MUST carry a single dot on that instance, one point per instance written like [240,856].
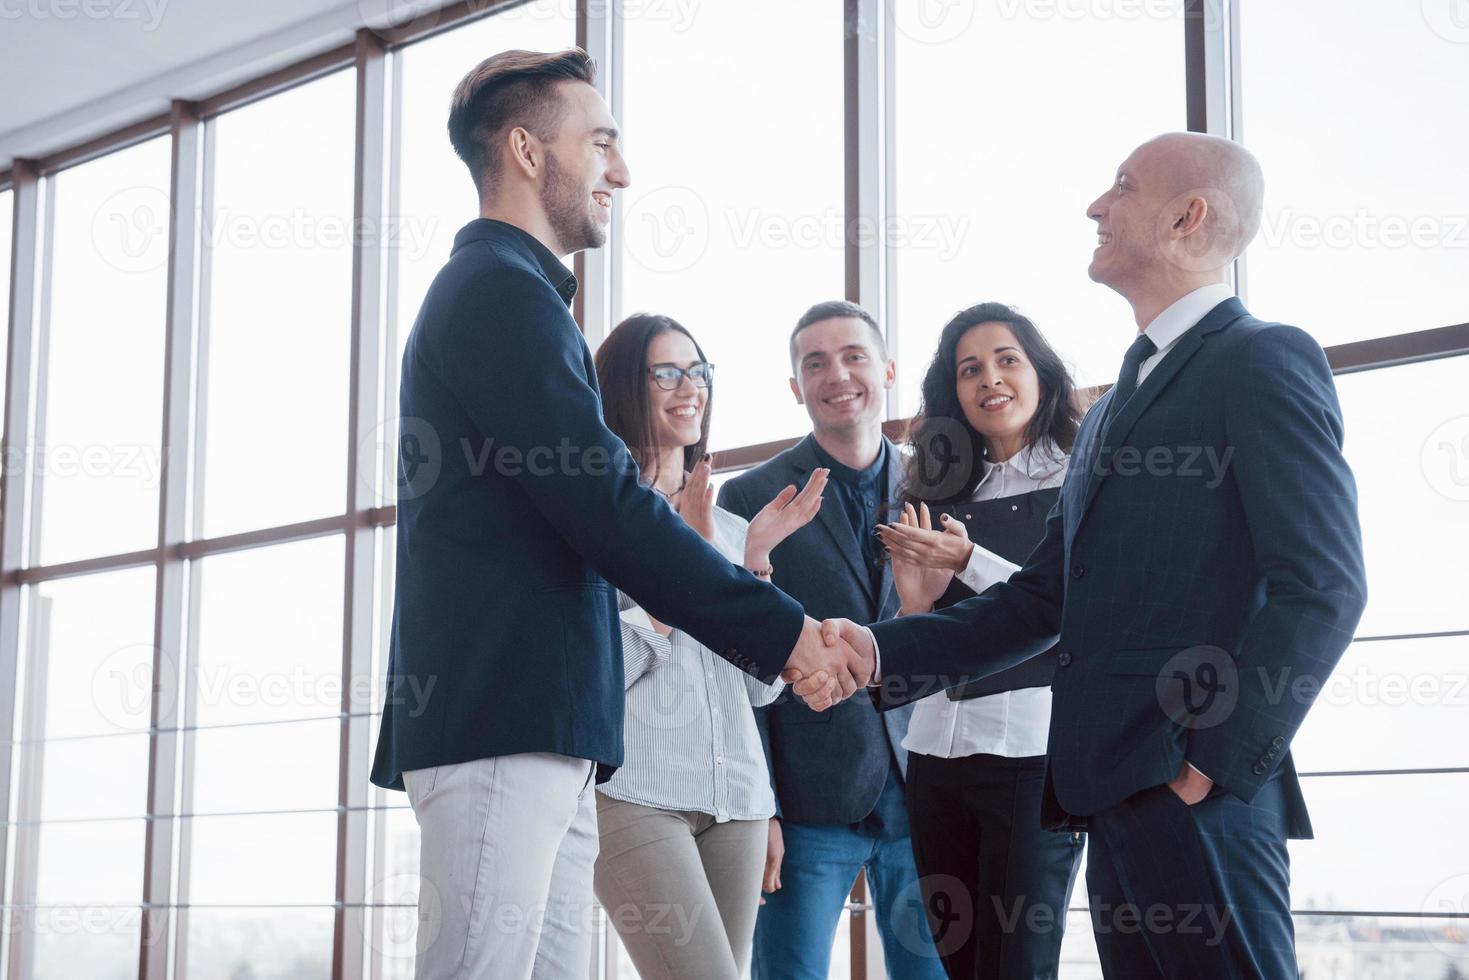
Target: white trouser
[508,845]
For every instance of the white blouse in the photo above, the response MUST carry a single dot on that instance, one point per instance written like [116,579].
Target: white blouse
[1014,724]
[689,736]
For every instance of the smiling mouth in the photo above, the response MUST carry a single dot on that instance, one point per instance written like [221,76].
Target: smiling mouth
[996,402]
[845,398]
[602,198]
[1104,238]
[683,412]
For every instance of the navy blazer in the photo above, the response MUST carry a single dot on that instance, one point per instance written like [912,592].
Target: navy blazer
[826,767]
[1202,570]
[516,505]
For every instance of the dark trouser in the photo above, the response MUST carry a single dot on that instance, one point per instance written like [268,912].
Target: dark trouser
[995,885]
[1182,891]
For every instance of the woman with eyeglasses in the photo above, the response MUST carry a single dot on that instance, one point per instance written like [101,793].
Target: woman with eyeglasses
[990,451]
[683,823]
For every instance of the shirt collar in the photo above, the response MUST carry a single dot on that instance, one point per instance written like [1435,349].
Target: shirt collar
[841,471]
[1036,461]
[522,241]
[1184,313]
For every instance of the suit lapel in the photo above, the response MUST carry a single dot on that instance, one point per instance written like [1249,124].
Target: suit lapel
[1108,439]
[833,517]
[887,593]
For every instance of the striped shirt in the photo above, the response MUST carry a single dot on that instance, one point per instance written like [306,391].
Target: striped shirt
[689,736]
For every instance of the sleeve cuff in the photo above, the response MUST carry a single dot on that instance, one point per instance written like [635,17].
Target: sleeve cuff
[985,568]
[876,679]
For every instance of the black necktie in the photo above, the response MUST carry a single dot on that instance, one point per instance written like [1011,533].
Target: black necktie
[1140,351]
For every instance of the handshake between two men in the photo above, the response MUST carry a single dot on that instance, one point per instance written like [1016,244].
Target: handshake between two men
[831,661]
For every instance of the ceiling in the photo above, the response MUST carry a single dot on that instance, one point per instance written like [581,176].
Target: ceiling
[73,70]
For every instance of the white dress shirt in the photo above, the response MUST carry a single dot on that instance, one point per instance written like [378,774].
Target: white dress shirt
[689,736]
[1181,316]
[1012,723]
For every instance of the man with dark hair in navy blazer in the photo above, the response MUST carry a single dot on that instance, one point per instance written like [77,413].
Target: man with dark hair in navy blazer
[1202,571]
[838,776]
[516,505]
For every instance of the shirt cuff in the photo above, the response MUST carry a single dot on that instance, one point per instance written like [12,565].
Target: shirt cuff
[876,680]
[985,568]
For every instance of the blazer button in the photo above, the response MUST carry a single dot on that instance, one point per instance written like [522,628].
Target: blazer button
[1259,769]
[1064,658]
[1077,570]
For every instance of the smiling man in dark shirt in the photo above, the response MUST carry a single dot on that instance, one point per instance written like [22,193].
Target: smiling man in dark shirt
[838,776]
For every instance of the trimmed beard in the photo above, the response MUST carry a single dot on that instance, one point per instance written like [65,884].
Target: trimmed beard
[567,208]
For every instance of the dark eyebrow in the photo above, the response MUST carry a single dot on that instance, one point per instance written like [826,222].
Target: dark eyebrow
[815,353]
[1008,347]
[606,131]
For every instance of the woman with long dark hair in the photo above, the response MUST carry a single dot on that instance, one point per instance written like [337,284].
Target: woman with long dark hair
[684,822]
[989,451]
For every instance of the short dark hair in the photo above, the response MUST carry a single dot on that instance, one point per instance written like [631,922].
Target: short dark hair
[830,310]
[938,471]
[622,375]
[512,88]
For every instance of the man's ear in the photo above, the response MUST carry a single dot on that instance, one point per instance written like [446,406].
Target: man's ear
[1188,220]
[525,151]
[890,375]
[796,390]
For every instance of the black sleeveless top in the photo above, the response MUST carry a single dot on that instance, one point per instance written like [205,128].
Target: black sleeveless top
[1011,527]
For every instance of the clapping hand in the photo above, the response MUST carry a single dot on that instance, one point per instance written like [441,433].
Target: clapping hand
[914,539]
[695,502]
[786,514]
[920,585]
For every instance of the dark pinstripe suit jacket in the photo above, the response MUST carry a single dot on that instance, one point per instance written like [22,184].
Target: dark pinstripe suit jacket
[1202,570]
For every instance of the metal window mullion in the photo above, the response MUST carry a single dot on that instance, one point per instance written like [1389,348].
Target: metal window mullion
[19,368]
[867,163]
[1211,63]
[598,304]
[369,288]
[185,193]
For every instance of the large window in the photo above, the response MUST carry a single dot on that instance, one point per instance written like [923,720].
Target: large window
[734,223]
[278,242]
[80,772]
[1366,228]
[100,405]
[190,579]
[1010,120]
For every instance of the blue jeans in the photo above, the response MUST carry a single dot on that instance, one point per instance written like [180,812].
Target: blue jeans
[797,925]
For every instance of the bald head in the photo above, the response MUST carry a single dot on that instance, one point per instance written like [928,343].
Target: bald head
[1181,208]
[1226,175]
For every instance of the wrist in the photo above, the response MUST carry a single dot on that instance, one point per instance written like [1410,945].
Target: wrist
[962,561]
[757,560]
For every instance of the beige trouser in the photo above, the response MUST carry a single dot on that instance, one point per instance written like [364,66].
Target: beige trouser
[506,865]
[681,890]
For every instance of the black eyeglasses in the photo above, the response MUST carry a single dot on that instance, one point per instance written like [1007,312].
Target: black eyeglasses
[670,376]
